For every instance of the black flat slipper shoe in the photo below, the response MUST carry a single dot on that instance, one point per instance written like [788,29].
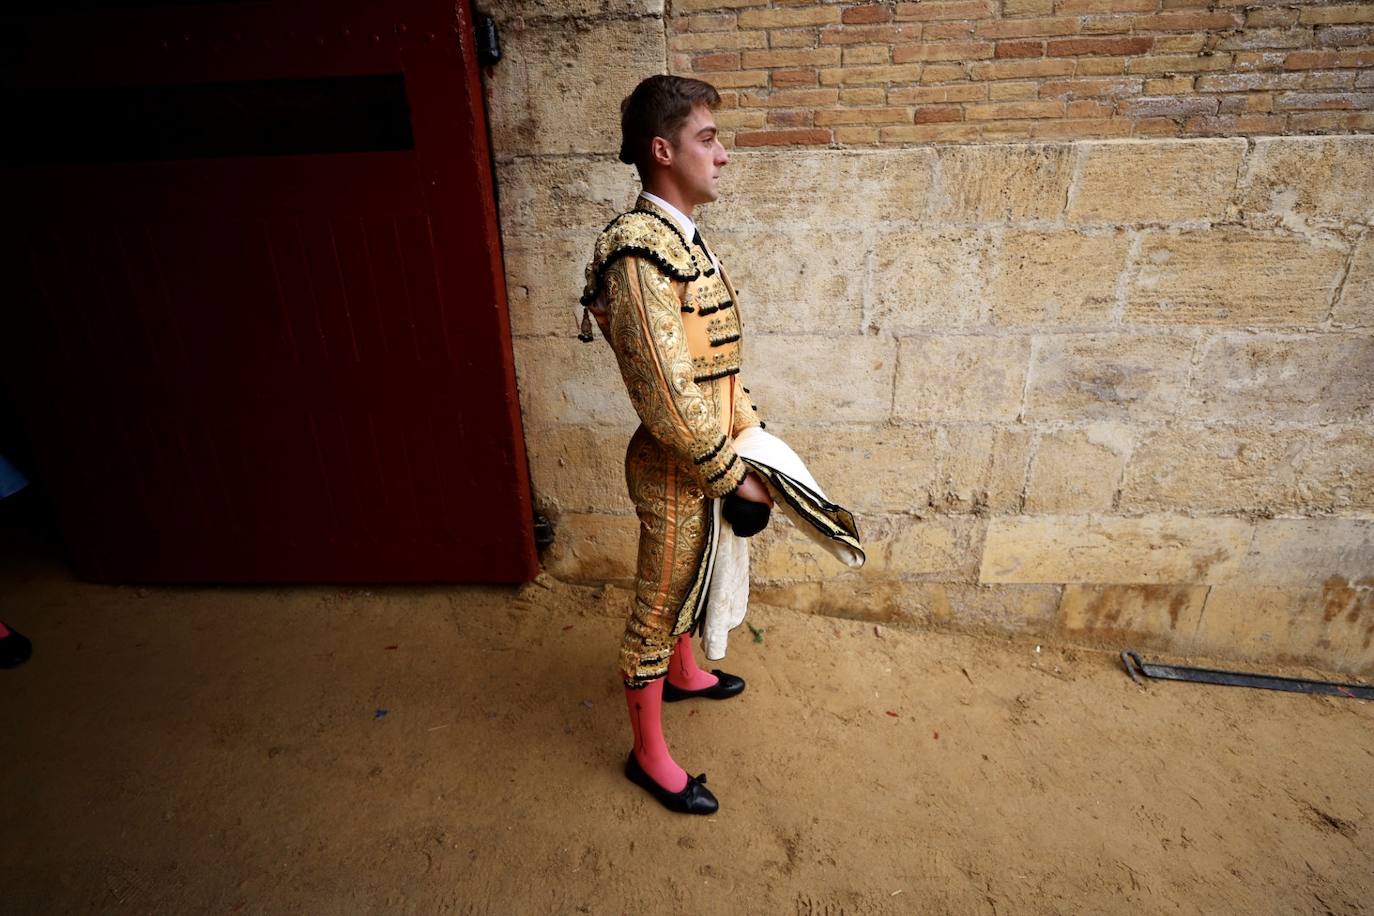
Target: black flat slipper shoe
[694,798]
[725,687]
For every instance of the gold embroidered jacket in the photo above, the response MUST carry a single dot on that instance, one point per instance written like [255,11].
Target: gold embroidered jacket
[673,322]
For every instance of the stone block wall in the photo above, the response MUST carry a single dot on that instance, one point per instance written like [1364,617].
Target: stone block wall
[1114,392]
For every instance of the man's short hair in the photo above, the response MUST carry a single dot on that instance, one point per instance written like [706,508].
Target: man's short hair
[658,108]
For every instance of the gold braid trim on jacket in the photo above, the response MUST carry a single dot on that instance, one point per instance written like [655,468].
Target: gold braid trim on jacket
[644,234]
[644,326]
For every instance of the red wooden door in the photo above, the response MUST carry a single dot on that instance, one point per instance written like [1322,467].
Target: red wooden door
[257,324]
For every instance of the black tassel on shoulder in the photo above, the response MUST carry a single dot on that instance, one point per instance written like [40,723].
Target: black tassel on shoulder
[586,332]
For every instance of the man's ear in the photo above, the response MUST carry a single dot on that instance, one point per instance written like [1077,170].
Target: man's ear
[661,151]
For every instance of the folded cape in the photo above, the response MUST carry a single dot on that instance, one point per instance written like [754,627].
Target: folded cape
[802,500]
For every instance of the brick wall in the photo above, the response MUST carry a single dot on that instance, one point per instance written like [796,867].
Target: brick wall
[1102,391]
[821,74]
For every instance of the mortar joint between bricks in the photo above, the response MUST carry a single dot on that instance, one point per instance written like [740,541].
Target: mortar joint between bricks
[869,234]
[898,347]
[1339,291]
[1075,179]
[1032,452]
[937,196]
[1121,293]
[1244,172]
[1031,359]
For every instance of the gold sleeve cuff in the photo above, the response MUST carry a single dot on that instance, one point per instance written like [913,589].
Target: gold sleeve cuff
[727,473]
[720,468]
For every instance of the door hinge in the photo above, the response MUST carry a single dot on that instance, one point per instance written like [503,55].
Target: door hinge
[543,531]
[488,40]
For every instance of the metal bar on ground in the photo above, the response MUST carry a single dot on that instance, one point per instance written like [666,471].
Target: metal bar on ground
[1135,666]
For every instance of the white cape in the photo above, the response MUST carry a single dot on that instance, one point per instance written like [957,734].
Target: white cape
[792,487]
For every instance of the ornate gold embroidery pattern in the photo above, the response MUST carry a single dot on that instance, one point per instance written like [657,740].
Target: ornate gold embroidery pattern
[643,234]
[674,520]
[658,370]
[716,365]
[745,414]
[723,330]
[707,295]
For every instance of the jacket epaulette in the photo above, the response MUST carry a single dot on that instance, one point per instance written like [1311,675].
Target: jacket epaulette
[643,234]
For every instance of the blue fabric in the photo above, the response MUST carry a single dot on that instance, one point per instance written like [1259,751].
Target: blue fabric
[11,481]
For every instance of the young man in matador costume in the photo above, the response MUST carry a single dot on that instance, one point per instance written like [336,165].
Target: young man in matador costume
[670,314]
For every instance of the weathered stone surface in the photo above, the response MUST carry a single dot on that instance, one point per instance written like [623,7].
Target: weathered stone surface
[1210,470]
[994,608]
[1348,609]
[869,470]
[1162,549]
[579,469]
[781,553]
[1139,616]
[1250,469]
[1313,379]
[510,13]
[1305,552]
[562,380]
[1077,470]
[1326,626]
[1027,7]
[982,468]
[855,597]
[939,549]
[1234,277]
[1154,549]
[544,278]
[928,280]
[964,377]
[821,189]
[1064,278]
[1155,181]
[593,547]
[1301,179]
[1003,182]
[795,282]
[843,379]
[1106,376]
[577,196]
[1336,470]
[1355,309]
[542,100]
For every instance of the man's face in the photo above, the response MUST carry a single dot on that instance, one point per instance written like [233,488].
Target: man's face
[698,158]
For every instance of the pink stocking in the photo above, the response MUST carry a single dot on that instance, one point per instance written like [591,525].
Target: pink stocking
[646,718]
[683,670]
[4,631]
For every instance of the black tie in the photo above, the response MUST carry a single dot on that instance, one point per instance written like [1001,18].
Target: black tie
[697,241]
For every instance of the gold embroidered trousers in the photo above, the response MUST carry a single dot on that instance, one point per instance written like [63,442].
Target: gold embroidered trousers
[674,534]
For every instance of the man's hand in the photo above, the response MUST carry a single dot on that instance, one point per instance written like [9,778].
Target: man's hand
[753,489]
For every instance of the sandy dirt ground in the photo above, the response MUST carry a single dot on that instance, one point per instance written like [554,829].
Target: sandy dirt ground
[459,750]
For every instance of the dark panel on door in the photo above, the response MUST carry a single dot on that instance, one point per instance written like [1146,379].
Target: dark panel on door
[257,323]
